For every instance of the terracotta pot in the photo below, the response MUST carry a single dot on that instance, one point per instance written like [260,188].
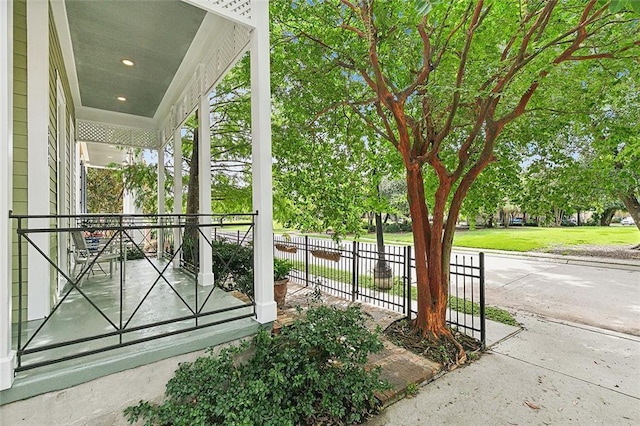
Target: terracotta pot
[280,291]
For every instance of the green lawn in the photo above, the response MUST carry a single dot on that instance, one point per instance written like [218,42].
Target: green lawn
[457,304]
[527,239]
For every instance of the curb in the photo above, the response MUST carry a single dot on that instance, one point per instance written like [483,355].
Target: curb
[600,262]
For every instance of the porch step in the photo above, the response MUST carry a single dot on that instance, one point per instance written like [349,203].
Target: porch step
[74,372]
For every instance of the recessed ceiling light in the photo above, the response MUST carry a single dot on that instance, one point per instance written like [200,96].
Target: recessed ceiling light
[127,62]
[121,98]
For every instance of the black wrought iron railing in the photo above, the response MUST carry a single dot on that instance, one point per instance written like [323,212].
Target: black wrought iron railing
[359,272]
[114,282]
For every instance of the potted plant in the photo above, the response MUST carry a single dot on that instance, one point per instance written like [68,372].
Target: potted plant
[281,270]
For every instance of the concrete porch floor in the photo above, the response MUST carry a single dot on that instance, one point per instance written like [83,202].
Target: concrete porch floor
[137,304]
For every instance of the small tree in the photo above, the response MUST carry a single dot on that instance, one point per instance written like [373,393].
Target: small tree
[440,83]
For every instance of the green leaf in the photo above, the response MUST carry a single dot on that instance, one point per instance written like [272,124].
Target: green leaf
[617,5]
[423,7]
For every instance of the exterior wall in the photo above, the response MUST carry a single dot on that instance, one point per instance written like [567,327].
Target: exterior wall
[57,71]
[19,141]
[20,148]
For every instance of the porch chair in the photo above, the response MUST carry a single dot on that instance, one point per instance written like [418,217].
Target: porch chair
[85,255]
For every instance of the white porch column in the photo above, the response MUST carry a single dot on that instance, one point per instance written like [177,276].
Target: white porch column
[7,356]
[177,190]
[129,198]
[160,234]
[261,163]
[39,269]
[205,276]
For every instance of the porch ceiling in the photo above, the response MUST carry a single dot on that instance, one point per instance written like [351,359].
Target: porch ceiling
[101,155]
[155,35]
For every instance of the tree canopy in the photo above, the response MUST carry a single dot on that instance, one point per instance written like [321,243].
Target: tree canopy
[439,82]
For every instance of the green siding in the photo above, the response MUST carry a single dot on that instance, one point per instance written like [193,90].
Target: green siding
[19,142]
[57,70]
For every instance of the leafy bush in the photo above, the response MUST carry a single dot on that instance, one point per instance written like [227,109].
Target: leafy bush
[233,266]
[231,258]
[313,372]
[391,227]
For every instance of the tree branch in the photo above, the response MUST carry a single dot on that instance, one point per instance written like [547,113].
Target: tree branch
[476,19]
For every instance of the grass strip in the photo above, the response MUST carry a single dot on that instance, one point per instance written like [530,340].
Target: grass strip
[455,303]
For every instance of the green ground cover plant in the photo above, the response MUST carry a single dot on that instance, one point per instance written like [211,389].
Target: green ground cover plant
[313,372]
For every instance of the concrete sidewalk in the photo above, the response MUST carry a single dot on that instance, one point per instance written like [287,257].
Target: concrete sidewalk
[549,373]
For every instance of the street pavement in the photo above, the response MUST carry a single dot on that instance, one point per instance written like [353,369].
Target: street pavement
[594,293]
[550,373]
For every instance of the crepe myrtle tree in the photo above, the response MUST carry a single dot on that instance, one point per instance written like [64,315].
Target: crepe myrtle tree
[440,81]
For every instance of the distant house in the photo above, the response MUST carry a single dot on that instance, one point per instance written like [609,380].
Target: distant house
[78,80]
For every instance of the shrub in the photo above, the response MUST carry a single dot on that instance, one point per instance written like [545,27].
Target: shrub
[313,372]
[233,266]
[391,227]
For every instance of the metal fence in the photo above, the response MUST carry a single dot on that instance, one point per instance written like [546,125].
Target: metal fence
[129,309]
[359,272]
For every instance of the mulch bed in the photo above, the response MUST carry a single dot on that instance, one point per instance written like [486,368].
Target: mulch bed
[444,352]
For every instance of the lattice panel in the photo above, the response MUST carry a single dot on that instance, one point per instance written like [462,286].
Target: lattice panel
[90,131]
[192,94]
[144,138]
[240,8]
[234,43]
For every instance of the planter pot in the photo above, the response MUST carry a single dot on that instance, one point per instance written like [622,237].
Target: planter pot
[383,279]
[326,254]
[280,291]
[287,249]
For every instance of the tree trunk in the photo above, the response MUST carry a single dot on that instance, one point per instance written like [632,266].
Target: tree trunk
[607,215]
[191,240]
[558,214]
[432,284]
[632,204]
[381,265]
[382,273]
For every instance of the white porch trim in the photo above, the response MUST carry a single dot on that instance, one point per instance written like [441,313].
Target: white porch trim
[160,232]
[261,163]
[205,276]
[177,191]
[235,10]
[39,270]
[211,68]
[7,356]
[92,131]
[62,182]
